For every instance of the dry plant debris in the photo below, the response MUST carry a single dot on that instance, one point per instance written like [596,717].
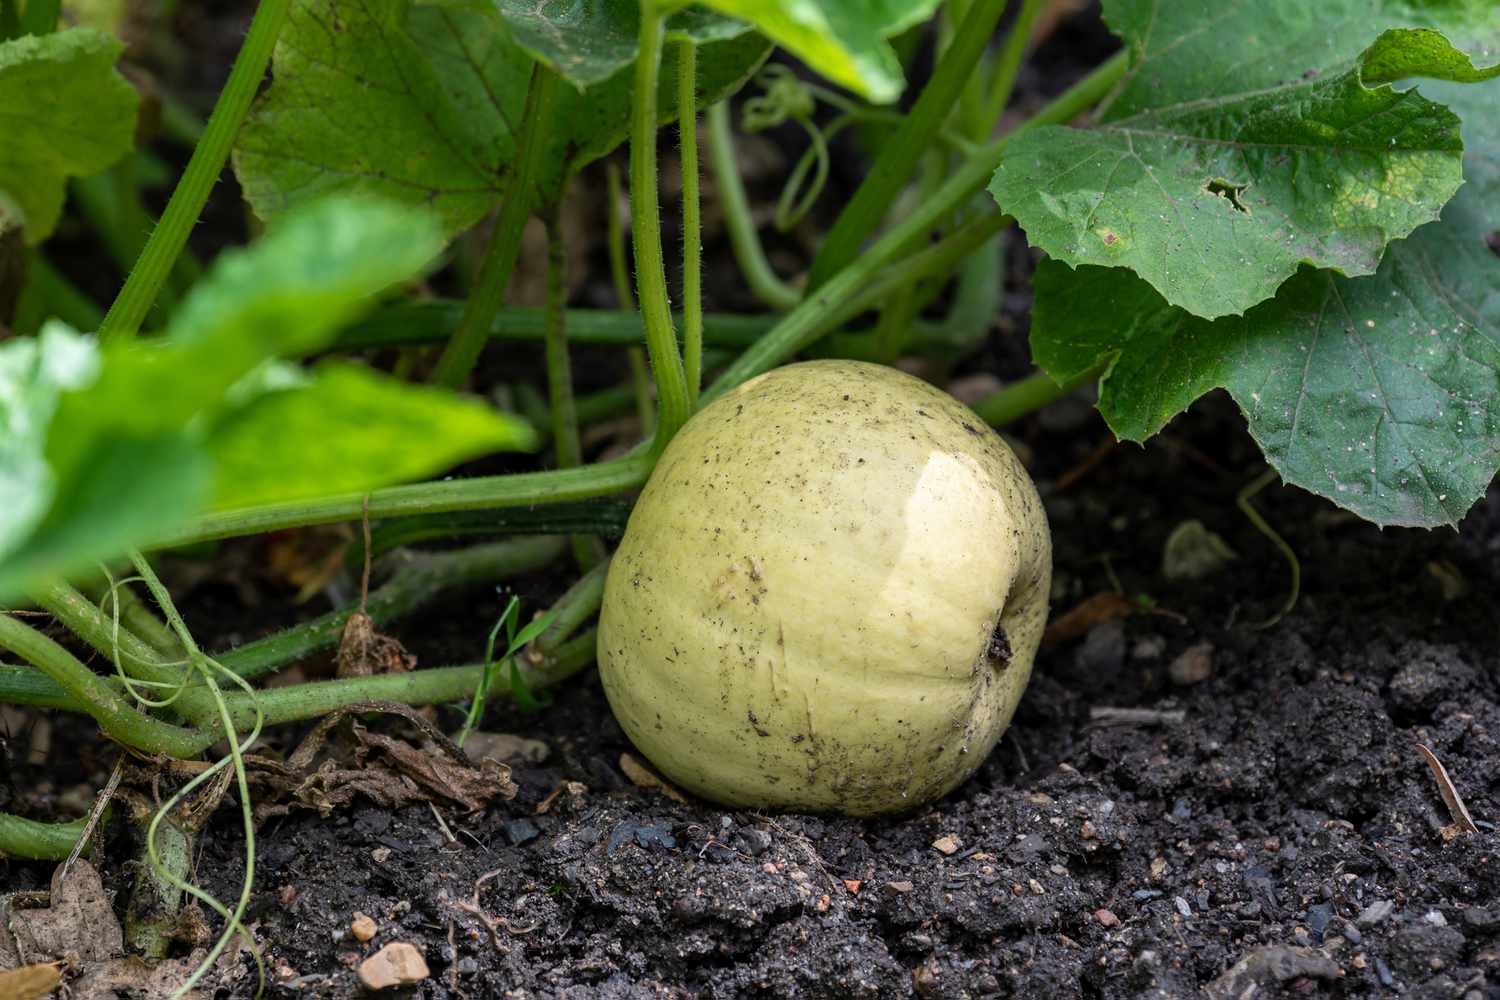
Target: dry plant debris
[386,770]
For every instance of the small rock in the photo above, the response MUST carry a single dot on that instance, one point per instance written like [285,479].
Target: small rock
[945,845]
[521,831]
[507,748]
[1269,966]
[1193,665]
[1106,918]
[1383,972]
[1102,654]
[1435,918]
[1148,647]
[381,855]
[1182,906]
[1193,552]
[362,927]
[756,841]
[397,964]
[900,886]
[1478,917]
[1318,917]
[852,884]
[1374,913]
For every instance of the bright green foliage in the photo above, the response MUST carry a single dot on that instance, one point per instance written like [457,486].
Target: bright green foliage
[845,40]
[34,372]
[421,103]
[347,429]
[109,449]
[1246,141]
[589,41]
[1378,392]
[64,112]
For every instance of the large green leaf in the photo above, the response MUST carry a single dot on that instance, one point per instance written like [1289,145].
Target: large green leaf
[347,429]
[589,41]
[1250,138]
[64,112]
[421,103]
[114,448]
[1381,393]
[845,40]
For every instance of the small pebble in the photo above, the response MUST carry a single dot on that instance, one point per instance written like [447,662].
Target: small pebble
[520,831]
[1193,665]
[758,841]
[397,964]
[945,845]
[1375,913]
[1383,971]
[1182,906]
[1319,915]
[1106,918]
[362,927]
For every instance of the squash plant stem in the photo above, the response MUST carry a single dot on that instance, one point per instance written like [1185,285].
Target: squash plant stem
[155,264]
[26,838]
[692,227]
[1002,80]
[800,326]
[488,295]
[780,342]
[913,138]
[1027,395]
[673,401]
[744,240]
[116,716]
[640,375]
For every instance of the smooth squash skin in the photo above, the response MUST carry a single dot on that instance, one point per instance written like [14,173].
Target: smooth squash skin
[829,595]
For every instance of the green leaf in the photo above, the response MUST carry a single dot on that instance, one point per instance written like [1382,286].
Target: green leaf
[117,492]
[64,112]
[111,445]
[588,41]
[428,100]
[1379,393]
[1248,140]
[347,430]
[286,295]
[845,40]
[34,372]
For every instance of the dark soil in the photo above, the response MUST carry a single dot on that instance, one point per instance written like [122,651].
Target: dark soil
[1285,819]
[1265,827]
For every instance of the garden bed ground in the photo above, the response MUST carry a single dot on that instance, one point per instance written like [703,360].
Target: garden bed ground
[1277,811]
[1265,825]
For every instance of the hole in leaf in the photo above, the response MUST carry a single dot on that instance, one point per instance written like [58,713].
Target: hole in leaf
[1229,191]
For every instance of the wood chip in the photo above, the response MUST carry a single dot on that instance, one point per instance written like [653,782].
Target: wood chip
[30,981]
[1077,620]
[397,964]
[643,777]
[1456,808]
[945,845]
